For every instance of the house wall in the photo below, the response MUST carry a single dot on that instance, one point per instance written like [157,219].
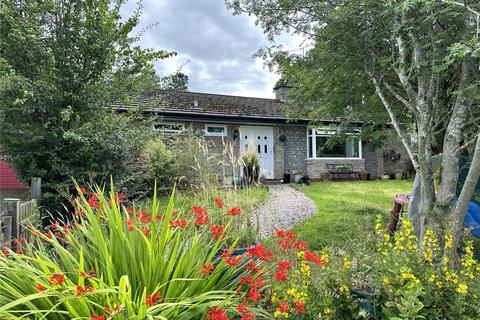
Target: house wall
[295,147]
[373,160]
[315,167]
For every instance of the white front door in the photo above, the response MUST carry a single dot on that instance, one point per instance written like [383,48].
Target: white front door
[262,137]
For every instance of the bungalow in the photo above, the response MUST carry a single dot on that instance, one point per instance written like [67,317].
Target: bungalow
[283,145]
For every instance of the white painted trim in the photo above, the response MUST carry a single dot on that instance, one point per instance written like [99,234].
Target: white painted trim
[314,136]
[214,134]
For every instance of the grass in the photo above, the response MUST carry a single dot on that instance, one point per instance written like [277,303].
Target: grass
[346,210]
[247,199]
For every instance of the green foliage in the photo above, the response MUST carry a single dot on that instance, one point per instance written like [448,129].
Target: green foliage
[116,257]
[177,81]
[347,210]
[62,66]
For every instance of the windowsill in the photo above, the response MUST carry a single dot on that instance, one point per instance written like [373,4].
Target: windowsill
[332,158]
[216,135]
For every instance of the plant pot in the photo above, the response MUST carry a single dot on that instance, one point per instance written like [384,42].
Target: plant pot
[398,175]
[363,175]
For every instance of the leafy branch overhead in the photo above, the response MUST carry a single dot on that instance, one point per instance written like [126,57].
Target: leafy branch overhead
[62,65]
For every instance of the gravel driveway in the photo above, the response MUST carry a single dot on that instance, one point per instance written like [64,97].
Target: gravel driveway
[284,207]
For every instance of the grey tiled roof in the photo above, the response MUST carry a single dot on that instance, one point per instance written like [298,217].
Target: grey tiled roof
[209,104]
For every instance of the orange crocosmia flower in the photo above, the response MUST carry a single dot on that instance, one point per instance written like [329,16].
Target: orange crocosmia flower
[283,306]
[233,261]
[260,252]
[312,256]
[146,231]
[254,294]
[252,267]
[19,251]
[152,299]
[39,287]
[285,243]
[217,231]
[217,314]
[182,223]
[280,233]
[56,279]
[79,291]
[281,275]
[97,317]
[207,269]
[219,202]
[83,190]
[284,265]
[94,202]
[299,306]
[234,211]
[301,245]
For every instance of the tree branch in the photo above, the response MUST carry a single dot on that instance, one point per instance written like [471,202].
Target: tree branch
[399,97]
[394,120]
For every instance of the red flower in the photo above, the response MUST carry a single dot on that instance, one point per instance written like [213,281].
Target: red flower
[234,211]
[252,266]
[207,268]
[79,291]
[281,275]
[283,307]
[5,251]
[54,226]
[201,215]
[39,287]
[217,314]
[301,245]
[129,210]
[56,279]
[182,224]
[284,265]
[219,202]
[290,234]
[300,306]
[260,252]
[285,243]
[19,251]
[280,233]
[97,317]
[242,307]
[152,299]
[94,202]
[248,315]
[233,261]
[312,256]
[217,231]
[146,231]
[83,190]
[254,294]
[159,217]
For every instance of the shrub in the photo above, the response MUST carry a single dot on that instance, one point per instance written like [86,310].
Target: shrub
[118,262]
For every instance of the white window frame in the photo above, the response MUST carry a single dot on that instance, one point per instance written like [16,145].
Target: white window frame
[325,133]
[169,132]
[216,134]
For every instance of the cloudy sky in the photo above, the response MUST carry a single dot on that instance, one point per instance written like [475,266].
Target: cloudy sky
[214,47]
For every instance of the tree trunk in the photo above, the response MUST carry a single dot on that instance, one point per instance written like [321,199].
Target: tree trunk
[458,213]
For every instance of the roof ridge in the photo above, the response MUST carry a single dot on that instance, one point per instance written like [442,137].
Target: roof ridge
[215,94]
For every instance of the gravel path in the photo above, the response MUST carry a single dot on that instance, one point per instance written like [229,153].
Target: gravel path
[284,207]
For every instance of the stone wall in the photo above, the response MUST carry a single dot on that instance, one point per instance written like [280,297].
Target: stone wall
[316,166]
[373,161]
[295,148]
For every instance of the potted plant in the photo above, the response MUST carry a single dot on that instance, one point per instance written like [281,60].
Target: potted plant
[324,175]
[363,175]
[297,176]
[398,174]
[251,164]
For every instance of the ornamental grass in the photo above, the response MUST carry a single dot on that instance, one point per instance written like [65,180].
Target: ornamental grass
[115,262]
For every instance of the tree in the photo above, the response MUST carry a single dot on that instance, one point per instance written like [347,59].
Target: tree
[63,64]
[416,60]
[177,81]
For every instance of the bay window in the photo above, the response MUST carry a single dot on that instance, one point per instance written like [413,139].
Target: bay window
[318,146]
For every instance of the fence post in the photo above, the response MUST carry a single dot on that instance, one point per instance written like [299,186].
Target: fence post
[10,218]
[36,188]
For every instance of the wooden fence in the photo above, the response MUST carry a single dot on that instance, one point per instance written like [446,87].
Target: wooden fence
[18,218]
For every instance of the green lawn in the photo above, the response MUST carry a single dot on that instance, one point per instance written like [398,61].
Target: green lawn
[347,210]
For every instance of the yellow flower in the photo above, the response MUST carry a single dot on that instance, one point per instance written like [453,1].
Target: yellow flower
[278,313]
[386,281]
[462,288]
[346,263]
[327,311]
[439,284]
[344,288]
[274,297]
[431,278]
[448,241]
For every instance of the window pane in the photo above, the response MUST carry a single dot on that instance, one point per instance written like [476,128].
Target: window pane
[216,130]
[338,150]
[352,147]
[169,128]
